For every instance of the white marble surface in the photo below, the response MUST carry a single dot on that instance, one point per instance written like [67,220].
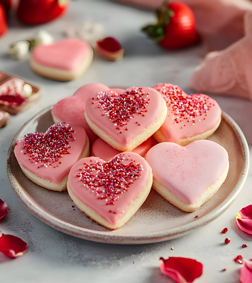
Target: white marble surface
[55,257]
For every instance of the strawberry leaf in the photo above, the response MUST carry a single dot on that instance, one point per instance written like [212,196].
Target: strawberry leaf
[156,32]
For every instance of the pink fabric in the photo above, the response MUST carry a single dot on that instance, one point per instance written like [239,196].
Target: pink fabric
[220,22]
[228,72]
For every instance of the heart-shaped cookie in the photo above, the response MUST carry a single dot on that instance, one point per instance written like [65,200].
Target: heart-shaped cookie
[126,119]
[64,60]
[72,108]
[110,192]
[46,158]
[188,176]
[189,117]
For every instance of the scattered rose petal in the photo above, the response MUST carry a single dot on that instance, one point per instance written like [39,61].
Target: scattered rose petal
[246,273]
[12,246]
[224,231]
[3,209]
[244,219]
[180,269]
[239,259]
[227,241]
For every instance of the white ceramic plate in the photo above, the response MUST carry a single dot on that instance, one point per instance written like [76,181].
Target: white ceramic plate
[156,220]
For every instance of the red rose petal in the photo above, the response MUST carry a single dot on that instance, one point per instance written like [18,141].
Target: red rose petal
[246,273]
[12,246]
[3,209]
[244,219]
[180,269]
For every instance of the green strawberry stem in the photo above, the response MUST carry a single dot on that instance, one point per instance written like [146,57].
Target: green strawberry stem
[164,14]
[157,31]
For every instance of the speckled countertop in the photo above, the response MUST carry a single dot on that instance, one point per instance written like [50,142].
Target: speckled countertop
[56,257]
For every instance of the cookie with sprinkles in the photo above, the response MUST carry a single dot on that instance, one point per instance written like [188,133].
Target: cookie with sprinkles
[126,119]
[72,108]
[110,192]
[46,158]
[189,117]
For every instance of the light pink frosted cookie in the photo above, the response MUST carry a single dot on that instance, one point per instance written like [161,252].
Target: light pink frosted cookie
[189,117]
[188,176]
[110,192]
[72,108]
[106,152]
[64,60]
[46,158]
[126,119]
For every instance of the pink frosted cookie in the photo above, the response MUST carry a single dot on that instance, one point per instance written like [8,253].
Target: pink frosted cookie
[64,60]
[106,152]
[110,192]
[72,108]
[189,117]
[188,176]
[126,119]
[46,158]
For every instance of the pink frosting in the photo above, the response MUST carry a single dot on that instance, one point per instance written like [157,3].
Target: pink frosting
[60,169]
[110,212]
[66,54]
[135,125]
[187,125]
[72,108]
[187,171]
[106,152]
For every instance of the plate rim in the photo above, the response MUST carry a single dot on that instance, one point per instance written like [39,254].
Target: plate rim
[154,237]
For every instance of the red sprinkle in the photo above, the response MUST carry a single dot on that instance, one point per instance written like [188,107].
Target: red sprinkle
[196,216]
[224,231]
[110,179]
[244,245]
[238,259]
[224,269]
[227,240]
[172,248]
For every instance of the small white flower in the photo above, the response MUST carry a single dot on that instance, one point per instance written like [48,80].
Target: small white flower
[43,37]
[19,50]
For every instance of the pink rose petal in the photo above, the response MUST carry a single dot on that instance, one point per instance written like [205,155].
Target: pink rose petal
[246,273]
[180,269]
[3,209]
[12,246]
[244,219]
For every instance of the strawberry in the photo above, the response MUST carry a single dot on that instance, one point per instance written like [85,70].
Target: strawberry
[175,27]
[3,21]
[33,12]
